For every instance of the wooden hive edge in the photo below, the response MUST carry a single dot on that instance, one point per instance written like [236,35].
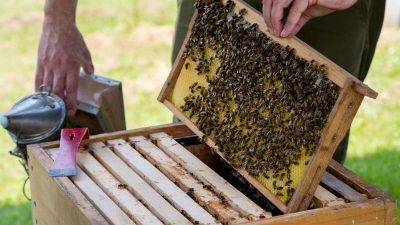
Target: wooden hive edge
[359,184]
[338,123]
[371,211]
[175,129]
[334,168]
[112,211]
[340,188]
[64,189]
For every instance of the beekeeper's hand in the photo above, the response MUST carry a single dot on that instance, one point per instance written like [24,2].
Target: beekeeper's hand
[62,52]
[300,12]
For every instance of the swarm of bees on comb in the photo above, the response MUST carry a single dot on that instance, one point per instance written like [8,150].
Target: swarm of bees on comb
[264,107]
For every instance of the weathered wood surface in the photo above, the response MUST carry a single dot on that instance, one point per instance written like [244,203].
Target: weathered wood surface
[371,212]
[209,177]
[134,183]
[76,209]
[338,124]
[63,203]
[94,193]
[116,190]
[175,129]
[324,198]
[161,183]
[267,193]
[337,186]
[186,181]
[364,187]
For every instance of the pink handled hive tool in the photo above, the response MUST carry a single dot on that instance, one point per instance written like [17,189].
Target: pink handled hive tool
[65,163]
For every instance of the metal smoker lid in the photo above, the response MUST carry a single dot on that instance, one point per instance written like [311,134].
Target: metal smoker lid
[36,117]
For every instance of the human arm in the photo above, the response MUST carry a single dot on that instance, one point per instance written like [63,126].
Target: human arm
[300,12]
[62,52]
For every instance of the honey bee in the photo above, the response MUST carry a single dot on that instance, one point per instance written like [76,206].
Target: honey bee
[288,182]
[190,192]
[242,12]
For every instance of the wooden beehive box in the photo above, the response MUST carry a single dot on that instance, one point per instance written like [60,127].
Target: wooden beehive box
[116,185]
[308,173]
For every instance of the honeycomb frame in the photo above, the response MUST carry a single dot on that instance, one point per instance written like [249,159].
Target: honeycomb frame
[352,92]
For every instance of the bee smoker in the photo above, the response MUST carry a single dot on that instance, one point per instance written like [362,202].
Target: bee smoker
[35,118]
[41,116]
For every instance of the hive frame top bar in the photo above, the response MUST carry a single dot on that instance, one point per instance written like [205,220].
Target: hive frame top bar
[351,95]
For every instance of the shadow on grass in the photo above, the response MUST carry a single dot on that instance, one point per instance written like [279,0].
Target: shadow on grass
[380,169]
[16,213]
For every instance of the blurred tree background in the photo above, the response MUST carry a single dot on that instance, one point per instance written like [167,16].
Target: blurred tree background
[130,41]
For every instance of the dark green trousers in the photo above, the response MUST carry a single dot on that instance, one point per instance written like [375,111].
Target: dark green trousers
[346,37]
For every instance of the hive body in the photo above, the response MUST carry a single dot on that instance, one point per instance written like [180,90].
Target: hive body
[101,185]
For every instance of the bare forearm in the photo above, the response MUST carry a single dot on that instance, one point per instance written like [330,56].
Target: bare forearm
[62,52]
[60,12]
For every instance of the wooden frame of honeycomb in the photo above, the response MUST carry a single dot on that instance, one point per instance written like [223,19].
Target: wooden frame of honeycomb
[351,94]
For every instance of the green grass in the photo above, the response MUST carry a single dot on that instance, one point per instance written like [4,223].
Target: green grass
[374,151]
[130,40]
